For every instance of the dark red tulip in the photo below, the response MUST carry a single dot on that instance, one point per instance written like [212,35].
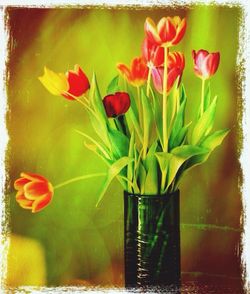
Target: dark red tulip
[116,104]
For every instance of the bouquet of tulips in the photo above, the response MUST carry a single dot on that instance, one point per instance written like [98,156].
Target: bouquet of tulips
[140,124]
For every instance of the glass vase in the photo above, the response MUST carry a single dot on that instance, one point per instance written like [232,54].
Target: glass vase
[152,240]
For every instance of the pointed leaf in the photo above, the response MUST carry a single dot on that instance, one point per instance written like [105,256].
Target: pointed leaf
[204,124]
[113,85]
[114,170]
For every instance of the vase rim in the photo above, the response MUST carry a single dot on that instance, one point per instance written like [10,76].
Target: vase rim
[154,196]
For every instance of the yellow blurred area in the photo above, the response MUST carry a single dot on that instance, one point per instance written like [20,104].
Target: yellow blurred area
[26,262]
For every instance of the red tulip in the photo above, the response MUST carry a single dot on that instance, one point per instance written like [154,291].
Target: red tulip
[176,63]
[116,104]
[153,54]
[205,63]
[137,74]
[72,84]
[168,32]
[34,192]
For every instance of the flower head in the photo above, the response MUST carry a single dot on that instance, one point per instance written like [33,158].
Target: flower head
[34,192]
[72,84]
[116,104]
[153,54]
[168,32]
[205,63]
[176,64]
[137,74]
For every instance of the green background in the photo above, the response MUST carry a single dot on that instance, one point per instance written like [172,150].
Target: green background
[83,244]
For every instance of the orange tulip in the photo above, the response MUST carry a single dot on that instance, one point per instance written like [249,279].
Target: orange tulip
[72,84]
[137,74]
[205,63]
[176,64]
[34,192]
[153,54]
[168,32]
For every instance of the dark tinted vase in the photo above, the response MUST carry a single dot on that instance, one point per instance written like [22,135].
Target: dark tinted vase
[152,241]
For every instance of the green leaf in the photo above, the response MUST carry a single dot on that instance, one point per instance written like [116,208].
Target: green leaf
[178,124]
[173,161]
[204,124]
[133,118]
[99,121]
[207,97]
[130,170]
[119,143]
[151,181]
[157,116]
[100,147]
[113,85]
[215,139]
[147,121]
[183,95]
[113,171]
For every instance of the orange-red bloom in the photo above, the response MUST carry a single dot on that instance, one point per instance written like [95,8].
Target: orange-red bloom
[116,104]
[137,74]
[34,192]
[205,63]
[168,32]
[72,84]
[153,54]
[176,64]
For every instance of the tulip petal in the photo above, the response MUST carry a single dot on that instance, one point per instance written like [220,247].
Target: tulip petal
[42,202]
[78,82]
[19,183]
[33,177]
[151,31]
[33,190]
[181,29]
[55,83]
[166,29]
[124,70]
[157,77]
[22,201]
[211,63]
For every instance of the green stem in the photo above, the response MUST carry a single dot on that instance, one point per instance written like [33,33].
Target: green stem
[164,107]
[148,80]
[79,179]
[202,95]
[139,104]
